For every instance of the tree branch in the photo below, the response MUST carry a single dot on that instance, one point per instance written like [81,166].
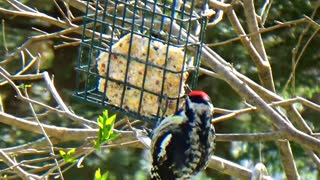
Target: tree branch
[23,174]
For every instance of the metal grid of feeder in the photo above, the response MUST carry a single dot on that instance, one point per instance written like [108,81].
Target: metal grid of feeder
[135,56]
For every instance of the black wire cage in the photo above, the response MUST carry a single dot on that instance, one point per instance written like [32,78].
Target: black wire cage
[136,56]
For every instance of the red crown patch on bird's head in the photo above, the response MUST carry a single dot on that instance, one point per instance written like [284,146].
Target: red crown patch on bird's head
[200,95]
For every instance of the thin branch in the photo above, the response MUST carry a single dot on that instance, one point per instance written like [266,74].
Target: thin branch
[250,137]
[23,174]
[265,11]
[44,134]
[229,114]
[38,15]
[27,147]
[263,30]
[61,12]
[270,96]
[60,134]
[20,6]
[54,92]
[66,112]
[24,69]
[230,168]
[296,61]
[40,38]
[252,24]
[263,66]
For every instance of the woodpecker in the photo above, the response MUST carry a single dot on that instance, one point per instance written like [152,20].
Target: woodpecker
[182,144]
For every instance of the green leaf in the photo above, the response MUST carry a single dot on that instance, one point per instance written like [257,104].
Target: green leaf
[105,176]
[62,153]
[71,151]
[111,120]
[113,136]
[24,86]
[97,175]
[105,114]
[67,156]
[100,122]
[97,145]
[71,160]
[106,125]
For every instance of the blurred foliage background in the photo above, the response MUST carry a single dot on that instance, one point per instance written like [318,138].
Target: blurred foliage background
[131,163]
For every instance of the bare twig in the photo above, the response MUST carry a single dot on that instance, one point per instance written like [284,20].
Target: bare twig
[265,11]
[20,6]
[228,167]
[263,30]
[252,23]
[23,174]
[229,114]
[61,11]
[52,89]
[263,66]
[44,134]
[250,137]
[296,60]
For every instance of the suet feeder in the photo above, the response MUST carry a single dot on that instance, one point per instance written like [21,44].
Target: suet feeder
[136,56]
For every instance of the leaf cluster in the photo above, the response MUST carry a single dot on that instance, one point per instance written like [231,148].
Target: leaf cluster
[106,125]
